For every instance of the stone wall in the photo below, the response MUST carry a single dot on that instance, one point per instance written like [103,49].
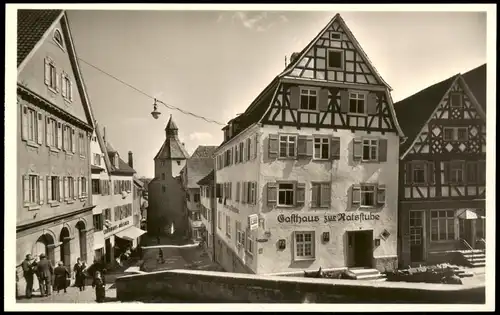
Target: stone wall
[203,286]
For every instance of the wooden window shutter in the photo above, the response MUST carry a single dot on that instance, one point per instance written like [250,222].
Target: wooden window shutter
[66,188]
[47,71]
[323,100]
[309,147]
[272,194]
[73,140]
[71,90]
[255,193]
[102,183]
[355,195]
[61,189]
[64,91]
[335,148]
[482,172]
[294,97]
[244,192]
[315,189]
[381,194]
[357,149]
[382,150]
[24,122]
[59,135]
[371,104]
[255,143]
[48,131]
[430,173]
[344,101]
[41,190]
[75,188]
[251,149]
[237,199]
[58,81]
[446,172]
[326,195]
[408,172]
[302,145]
[39,125]
[26,188]
[49,188]
[79,187]
[273,146]
[300,194]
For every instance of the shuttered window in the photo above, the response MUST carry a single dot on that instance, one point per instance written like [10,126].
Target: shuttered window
[368,195]
[308,99]
[321,148]
[357,103]
[33,189]
[51,78]
[287,146]
[320,195]
[370,150]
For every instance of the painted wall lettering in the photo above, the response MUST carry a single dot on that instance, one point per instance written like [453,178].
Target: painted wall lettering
[341,217]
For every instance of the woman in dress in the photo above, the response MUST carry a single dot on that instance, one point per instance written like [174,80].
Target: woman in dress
[99,285]
[80,276]
[61,276]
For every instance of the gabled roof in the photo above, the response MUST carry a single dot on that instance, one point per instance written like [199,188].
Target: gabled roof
[31,28]
[413,111]
[357,46]
[204,151]
[102,145]
[207,180]
[259,106]
[476,81]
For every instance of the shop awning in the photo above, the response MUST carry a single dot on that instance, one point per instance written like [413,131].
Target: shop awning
[98,240]
[469,214]
[130,233]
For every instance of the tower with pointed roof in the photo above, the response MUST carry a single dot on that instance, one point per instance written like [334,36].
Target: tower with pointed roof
[165,190]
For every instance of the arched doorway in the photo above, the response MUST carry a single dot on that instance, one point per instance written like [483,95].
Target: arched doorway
[82,239]
[45,245]
[65,239]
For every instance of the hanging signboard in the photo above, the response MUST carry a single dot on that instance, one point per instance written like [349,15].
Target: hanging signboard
[253,222]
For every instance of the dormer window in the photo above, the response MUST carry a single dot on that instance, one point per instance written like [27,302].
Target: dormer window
[58,38]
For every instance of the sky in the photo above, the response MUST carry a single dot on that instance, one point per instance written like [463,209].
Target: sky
[215,63]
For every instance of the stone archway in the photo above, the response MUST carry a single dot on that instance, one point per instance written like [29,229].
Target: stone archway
[45,244]
[65,239]
[82,239]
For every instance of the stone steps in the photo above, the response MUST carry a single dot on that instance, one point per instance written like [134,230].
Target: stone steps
[365,274]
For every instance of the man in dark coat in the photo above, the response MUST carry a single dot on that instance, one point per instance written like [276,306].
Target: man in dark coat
[29,268]
[45,272]
[61,274]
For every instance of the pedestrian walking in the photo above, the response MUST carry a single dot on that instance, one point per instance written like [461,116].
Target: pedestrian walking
[79,270]
[61,276]
[100,287]
[45,273]
[29,270]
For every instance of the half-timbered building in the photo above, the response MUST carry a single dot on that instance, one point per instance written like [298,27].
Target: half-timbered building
[307,176]
[442,170]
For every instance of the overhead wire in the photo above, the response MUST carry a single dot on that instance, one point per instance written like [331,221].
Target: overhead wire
[185,112]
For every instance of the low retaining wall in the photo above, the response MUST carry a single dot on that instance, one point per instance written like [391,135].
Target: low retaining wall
[208,286]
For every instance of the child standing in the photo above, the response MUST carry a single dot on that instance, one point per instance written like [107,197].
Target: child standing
[99,285]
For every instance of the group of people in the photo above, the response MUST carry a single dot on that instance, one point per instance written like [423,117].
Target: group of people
[60,276]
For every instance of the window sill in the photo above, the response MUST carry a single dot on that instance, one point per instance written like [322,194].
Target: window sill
[334,68]
[52,89]
[312,111]
[32,206]
[321,160]
[287,157]
[70,201]
[286,206]
[443,241]
[82,157]
[31,143]
[53,149]
[304,259]
[67,100]
[248,253]
[320,207]
[54,203]
[69,154]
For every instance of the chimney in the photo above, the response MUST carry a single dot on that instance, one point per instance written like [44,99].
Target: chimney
[130,159]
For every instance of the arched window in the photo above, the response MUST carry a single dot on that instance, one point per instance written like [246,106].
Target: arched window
[58,38]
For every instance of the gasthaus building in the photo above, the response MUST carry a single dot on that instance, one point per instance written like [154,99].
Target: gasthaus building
[307,176]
